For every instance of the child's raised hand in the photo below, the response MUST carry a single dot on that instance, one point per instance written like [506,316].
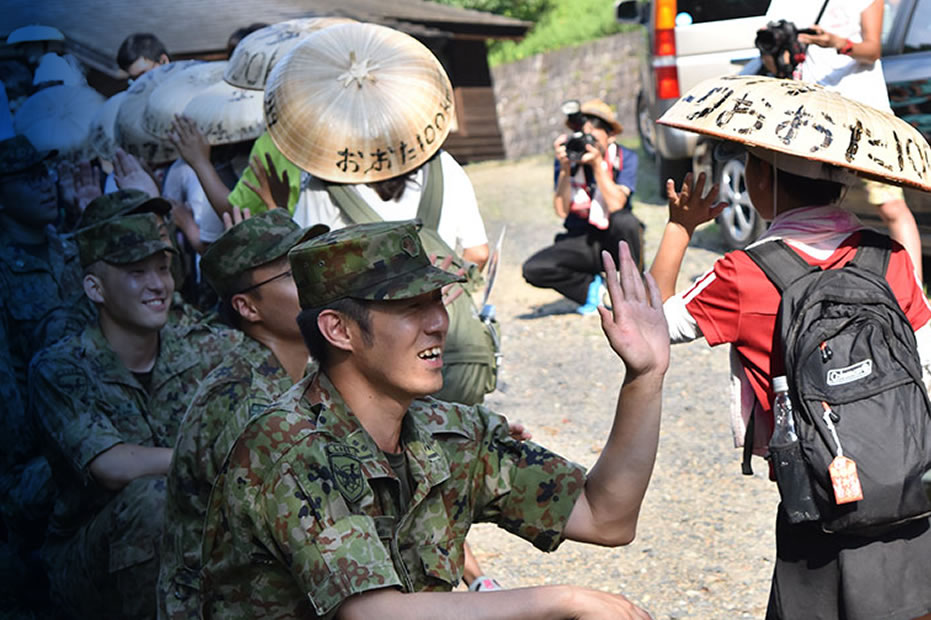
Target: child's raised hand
[688,207]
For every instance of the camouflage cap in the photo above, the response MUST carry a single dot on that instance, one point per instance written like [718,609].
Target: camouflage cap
[18,154]
[122,202]
[250,244]
[376,261]
[122,240]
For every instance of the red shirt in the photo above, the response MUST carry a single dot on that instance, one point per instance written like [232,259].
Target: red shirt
[736,303]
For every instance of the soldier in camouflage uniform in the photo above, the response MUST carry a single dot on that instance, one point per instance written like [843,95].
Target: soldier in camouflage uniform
[354,492]
[40,303]
[130,201]
[248,267]
[109,402]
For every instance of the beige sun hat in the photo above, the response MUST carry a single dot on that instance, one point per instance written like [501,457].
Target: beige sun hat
[806,129]
[171,96]
[129,131]
[58,118]
[102,137]
[231,110]
[358,103]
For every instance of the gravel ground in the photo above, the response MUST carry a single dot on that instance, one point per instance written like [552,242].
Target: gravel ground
[704,546]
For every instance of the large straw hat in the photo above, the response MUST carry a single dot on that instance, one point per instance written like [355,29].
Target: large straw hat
[358,103]
[129,132]
[806,129]
[59,118]
[171,96]
[35,32]
[257,53]
[102,137]
[231,110]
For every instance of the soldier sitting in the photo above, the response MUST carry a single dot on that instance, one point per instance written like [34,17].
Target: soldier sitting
[109,401]
[352,494]
[248,267]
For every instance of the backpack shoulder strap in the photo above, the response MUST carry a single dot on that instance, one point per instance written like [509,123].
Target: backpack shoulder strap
[348,200]
[781,264]
[431,199]
[873,252]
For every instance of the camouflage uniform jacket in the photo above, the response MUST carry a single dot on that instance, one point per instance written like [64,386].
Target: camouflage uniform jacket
[303,514]
[234,392]
[86,401]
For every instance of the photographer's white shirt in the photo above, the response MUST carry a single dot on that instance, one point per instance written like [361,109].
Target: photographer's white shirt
[460,226]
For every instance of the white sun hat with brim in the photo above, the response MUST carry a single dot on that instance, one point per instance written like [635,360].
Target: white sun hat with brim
[130,134]
[59,118]
[102,136]
[359,103]
[806,129]
[35,32]
[169,98]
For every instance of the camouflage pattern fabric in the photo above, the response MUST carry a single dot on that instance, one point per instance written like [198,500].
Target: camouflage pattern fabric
[122,240]
[234,392]
[375,261]
[250,244]
[121,202]
[302,516]
[85,401]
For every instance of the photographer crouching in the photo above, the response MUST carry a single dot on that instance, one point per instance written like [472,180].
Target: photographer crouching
[595,179]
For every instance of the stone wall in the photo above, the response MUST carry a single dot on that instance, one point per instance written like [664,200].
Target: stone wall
[529,92]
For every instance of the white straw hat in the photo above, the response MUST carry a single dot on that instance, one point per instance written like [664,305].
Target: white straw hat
[58,118]
[171,96]
[102,137]
[358,103]
[129,131]
[35,32]
[805,121]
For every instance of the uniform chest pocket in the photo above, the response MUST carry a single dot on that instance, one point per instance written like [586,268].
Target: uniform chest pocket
[128,420]
[443,562]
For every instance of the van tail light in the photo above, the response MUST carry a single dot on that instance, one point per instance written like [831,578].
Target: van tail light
[665,74]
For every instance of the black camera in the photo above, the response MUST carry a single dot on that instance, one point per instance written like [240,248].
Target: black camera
[780,40]
[575,145]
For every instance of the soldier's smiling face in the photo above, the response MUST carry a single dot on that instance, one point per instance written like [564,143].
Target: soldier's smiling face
[404,355]
[138,295]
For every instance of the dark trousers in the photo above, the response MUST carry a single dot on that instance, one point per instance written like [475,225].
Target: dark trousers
[570,264]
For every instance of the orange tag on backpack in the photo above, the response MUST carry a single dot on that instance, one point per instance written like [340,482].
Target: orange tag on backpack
[845,480]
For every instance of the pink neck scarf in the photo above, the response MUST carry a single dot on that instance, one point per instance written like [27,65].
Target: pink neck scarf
[817,231]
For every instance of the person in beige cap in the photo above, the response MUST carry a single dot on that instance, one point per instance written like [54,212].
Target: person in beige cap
[595,178]
[248,267]
[108,402]
[351,496]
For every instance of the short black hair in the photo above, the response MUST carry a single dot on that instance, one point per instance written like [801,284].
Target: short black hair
[810,191]
[241,33]
[139,45]
[354,309]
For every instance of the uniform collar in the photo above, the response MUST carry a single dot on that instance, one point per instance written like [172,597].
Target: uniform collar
[426,459]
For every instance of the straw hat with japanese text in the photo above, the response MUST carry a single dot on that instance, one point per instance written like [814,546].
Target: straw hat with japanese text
[169,98]
[806,129]
[359,103]
[230,110]
[102,137]
[129,130]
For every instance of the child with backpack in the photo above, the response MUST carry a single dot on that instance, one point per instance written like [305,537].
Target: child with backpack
[830,567]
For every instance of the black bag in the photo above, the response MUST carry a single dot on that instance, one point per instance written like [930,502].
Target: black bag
[473,350]
[852,363]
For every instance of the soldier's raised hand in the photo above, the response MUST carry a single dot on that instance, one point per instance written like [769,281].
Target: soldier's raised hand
[635,325]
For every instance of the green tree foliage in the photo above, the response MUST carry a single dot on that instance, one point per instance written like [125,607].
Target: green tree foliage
[564,24]
[528,10]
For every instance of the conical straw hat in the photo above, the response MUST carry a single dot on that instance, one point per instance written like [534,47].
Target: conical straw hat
[58,118]
[35,32]
[225,113]
[129,132]
[102,137]
[171,96]
[806,122]
[257,53]
[358,103]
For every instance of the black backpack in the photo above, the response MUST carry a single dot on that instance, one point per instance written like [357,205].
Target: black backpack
[851,360]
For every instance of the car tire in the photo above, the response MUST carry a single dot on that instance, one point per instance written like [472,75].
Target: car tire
[740,224]
[645,126]
[674,169]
